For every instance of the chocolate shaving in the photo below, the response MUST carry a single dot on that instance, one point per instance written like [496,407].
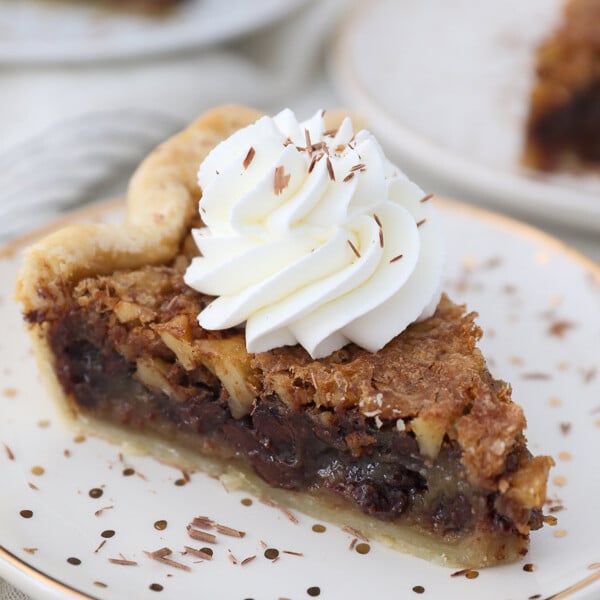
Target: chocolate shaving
[160,553]
[198,553]
[352,544]
[313,162]
[30,550]
[281,180]
[318,146]
[101,510]
[248,559]
[122,561]
[330,133]
[292,553]
[421,222]
[353,247]
[202,523]
[425,198]
[249,157]
[229,531]
[459,573]
[264,544]
[202,536]
[330,169]
[288,141]
[358,167]
[308,141]
[99,546]
[393,260]
[493,262]
[589,374]
[565,427]
[33,486]
[560,327]
[9,452]
[283,509]
[355,533]
[380,237]
[536,376]
[348,177]
[160,556]
[232,558]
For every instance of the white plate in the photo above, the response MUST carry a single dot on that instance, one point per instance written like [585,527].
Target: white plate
[35,31]
[445,87]
[523,283]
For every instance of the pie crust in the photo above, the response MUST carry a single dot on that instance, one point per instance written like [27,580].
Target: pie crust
[416,445]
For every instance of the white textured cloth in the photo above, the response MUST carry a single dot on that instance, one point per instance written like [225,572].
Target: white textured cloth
[8,592]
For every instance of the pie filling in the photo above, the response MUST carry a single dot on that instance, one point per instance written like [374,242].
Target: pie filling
[570,128]
[115,367]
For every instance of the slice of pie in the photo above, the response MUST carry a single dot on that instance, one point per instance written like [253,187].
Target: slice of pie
[563,125]
[415,444]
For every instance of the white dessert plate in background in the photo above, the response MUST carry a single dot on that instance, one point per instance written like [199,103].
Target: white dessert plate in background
[47,31]
[445,87]
[538,303]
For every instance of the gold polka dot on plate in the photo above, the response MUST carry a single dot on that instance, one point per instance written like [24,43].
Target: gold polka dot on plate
[560,533]
[559,480]
[271,553]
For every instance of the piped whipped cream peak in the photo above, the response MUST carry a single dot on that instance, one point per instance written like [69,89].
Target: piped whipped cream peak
[313,237]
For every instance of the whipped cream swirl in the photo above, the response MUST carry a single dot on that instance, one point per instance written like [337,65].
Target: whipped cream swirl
[313,237]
